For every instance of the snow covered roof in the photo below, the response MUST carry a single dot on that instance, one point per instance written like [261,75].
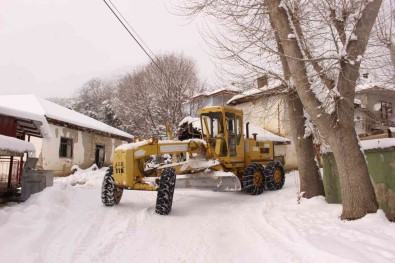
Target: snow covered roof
[230,89]
[11,145]
[265,135]
[252,94]
[369,86]
[31,107]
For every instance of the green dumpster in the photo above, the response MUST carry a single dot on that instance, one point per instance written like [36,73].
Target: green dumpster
[380,155]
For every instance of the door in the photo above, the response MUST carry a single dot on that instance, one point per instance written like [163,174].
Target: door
[99,155]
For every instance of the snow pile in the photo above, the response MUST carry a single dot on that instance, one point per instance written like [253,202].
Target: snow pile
[70,224]
[15,145]
[90,178]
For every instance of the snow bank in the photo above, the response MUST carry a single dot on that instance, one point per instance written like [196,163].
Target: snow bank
[69,224]
[15,145]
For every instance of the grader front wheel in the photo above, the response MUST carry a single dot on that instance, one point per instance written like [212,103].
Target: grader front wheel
[110,193]
[253,179]
[164,198]
[274,175]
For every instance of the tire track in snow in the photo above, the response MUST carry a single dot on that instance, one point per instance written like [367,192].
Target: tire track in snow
[80,233]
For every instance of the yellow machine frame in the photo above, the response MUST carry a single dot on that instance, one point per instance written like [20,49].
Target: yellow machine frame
[230,148]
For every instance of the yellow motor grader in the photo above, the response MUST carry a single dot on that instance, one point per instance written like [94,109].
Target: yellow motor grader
[223,159]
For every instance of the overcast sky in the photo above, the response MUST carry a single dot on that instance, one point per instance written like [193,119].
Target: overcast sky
[52,47]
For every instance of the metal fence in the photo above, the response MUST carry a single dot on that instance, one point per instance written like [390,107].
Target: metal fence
[5,163]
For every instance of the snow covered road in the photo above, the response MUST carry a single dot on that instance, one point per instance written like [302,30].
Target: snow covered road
[67,223]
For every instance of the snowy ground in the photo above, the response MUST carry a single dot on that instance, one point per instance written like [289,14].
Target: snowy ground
[68,223]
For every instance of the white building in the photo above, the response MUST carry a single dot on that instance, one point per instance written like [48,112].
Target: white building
[266,108]
[62,137]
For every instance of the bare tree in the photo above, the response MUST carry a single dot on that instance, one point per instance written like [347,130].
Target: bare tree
[153,95]
[380,53]
[245,41]
[324,43]
[95,99]
[334,116]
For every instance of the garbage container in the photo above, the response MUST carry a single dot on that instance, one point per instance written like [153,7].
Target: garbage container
[380,155]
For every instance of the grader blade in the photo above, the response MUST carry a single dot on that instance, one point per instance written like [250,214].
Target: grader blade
[213,180]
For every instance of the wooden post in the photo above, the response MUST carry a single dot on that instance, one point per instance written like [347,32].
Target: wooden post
[10,172]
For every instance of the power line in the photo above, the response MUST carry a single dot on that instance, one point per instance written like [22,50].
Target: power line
[135,39]
[124,19]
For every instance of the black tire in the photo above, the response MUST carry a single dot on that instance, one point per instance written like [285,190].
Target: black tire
[274,176]
[110,193]
[164,198]
[253,179]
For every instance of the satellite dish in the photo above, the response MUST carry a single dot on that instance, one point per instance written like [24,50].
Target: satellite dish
[377,106]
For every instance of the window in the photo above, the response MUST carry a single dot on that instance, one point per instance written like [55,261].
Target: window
[99,155]
[238,129]
[213,124]
[386,110]
[232,128]
[66,147]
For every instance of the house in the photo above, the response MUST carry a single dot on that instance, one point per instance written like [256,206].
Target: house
[374,108]
[254,113]
[266,107]
[217,97]
[62,137]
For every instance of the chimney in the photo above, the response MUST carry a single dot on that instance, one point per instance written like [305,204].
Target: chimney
[262,81]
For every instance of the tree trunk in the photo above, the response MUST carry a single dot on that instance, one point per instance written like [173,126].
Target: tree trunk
[309,175]
[310,179]
[391,48]
[358,197]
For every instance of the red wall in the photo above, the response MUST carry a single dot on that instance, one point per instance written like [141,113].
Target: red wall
[7,126]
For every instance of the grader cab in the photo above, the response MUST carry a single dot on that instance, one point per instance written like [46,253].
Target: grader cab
[222,160]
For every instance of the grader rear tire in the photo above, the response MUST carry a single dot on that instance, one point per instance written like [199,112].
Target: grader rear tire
[253,179]
[110,193]
[164,198]
[274,176]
